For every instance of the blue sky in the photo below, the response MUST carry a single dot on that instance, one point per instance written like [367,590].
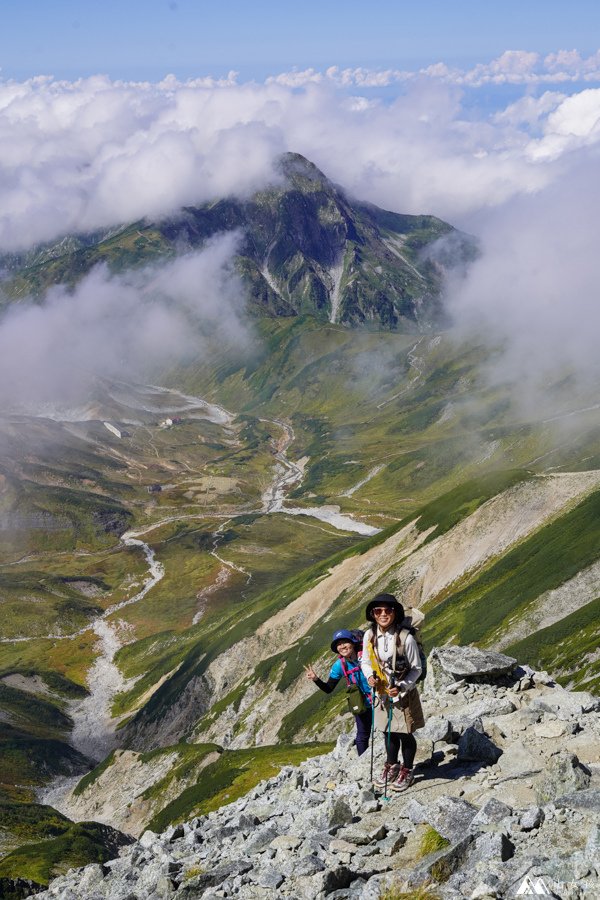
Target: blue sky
[147,39]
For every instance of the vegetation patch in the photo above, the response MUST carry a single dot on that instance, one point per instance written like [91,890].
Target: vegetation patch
[191,758]
[26,822]
[234,774]
[27,760]
[551,556]
[432,841]
[39,716]
[79,845]
[446,511]
[569,646]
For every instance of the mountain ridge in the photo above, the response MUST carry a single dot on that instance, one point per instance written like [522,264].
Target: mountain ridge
[305,247]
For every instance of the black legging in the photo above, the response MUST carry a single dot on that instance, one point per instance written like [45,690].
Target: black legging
[393,740]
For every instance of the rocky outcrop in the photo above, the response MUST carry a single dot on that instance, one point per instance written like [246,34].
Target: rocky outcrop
[524,814]
[450,664]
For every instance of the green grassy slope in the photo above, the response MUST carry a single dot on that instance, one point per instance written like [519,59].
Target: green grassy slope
[568,649]
[555,553]
[234,774]
[77,845]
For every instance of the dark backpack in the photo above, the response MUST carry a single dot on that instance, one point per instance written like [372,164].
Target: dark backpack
[422,654]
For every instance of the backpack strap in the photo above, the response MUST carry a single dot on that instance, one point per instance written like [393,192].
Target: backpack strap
[400,646]
[341,659]
[349,672]
[401,640]
[395,652]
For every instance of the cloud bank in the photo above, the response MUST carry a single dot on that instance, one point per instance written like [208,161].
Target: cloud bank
[125,326]
[535,288]
[77,156]
[513,67]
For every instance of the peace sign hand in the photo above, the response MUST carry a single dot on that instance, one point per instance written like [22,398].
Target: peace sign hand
[310,673]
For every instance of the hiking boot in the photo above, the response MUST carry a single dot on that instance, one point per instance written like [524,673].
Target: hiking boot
[404,779]
[389,774]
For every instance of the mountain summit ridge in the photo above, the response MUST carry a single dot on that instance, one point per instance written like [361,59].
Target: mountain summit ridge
[309,249]
[305,248]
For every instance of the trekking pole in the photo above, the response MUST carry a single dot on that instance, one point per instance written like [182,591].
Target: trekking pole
[388,732]
[372,727]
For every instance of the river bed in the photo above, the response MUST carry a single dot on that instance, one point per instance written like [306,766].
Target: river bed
[94,728]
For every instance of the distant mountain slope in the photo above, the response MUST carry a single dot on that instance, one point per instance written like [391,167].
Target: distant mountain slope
[305,247]
[252,679]
[446,557]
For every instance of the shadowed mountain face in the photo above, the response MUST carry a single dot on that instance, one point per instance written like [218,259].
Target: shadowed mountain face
[308,249]
[305,248]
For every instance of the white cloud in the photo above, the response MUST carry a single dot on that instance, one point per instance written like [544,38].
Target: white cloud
[94,153]
[512,67]
[77,156]
[296,78]
[572,124]
[530,111]
[125,326]
[534,290]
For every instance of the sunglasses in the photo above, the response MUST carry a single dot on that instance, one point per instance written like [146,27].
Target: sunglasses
[380,610]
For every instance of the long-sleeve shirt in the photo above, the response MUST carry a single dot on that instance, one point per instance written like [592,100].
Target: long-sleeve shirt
[385,644]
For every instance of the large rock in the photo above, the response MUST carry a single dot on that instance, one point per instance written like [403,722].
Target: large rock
[471,662]
[437,728]
[450,816]
[492,812]
[566,705]
[477,747]
[489,846]
[489,708]
[339,814]
[563,774]
[195,886]
[587,800]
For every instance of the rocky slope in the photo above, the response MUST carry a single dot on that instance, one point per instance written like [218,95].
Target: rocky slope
[507,792]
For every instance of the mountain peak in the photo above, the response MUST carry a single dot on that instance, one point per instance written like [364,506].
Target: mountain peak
[299,170]
[307,250]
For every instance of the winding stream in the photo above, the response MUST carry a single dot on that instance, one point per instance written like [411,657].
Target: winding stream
[287,474]
[94,728]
